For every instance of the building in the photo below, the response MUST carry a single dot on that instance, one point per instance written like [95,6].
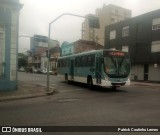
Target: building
[79,46]
[67,48]
[38,48]
[9,22]
[55,52]
[107,15]
[88,33]
[39,43]
[85,46]
[140,36]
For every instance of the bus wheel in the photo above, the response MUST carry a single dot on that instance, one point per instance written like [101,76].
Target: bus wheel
[66,78]
[90,82]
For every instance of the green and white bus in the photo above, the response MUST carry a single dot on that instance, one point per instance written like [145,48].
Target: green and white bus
[98,67]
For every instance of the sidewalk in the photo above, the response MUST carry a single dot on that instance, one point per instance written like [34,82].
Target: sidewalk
[147,83]
[25,90]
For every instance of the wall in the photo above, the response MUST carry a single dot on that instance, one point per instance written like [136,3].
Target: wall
[138,71]
[154,73]
[9,15]
[14,46]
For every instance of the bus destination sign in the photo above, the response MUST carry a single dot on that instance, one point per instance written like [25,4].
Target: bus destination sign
[113,53]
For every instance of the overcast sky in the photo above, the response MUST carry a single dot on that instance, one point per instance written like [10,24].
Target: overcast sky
[36,15]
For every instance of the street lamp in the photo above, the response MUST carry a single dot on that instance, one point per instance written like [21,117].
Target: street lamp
[49,32]
[94,22]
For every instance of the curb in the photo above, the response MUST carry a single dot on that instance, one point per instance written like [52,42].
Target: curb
[20,97]
[149,85]
[11,98]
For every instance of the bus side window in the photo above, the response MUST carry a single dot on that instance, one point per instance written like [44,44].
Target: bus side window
[91,60]
[65,62]
[58,63]
[84,61]
[68,62]
[77,63]
[80,61]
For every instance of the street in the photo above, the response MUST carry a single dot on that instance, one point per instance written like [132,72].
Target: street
[75,104]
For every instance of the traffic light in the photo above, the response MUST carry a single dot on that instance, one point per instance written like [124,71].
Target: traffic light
[93,22]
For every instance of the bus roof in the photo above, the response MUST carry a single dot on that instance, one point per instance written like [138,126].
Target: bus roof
[89,52]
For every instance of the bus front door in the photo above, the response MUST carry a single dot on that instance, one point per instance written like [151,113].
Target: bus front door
[72,69]
[98,70]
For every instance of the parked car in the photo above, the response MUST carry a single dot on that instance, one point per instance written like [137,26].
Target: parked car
[22,69]
[39,71]
[34,70]
[44,71]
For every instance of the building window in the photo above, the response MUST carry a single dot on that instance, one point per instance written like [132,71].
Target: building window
[155,47]
[112,34]
[125,31]
[125,48]
[156,24]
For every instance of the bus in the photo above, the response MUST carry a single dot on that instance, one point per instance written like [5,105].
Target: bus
[97,67]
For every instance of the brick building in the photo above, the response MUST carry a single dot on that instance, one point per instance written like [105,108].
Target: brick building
[79,46]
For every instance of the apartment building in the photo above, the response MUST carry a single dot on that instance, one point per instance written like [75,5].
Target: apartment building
[39,43]
[38,56]
[140,36]
[107,15]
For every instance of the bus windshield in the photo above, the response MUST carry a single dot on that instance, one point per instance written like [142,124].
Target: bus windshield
[117,66]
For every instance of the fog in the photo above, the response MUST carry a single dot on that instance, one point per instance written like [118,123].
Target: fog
[36,15]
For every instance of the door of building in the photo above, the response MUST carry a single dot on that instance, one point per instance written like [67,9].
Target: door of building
[145,72]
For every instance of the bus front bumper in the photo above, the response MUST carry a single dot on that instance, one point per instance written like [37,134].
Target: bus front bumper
[114,83]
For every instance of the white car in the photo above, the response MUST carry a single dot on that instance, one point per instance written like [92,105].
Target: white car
[44,71]
[22,69]
[34,70]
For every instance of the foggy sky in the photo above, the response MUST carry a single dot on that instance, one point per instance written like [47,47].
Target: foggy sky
[36,15]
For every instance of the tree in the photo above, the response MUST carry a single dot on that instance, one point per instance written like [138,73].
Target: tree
[22,63]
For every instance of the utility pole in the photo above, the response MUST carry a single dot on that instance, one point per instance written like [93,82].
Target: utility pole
[93,22]
[48,91]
